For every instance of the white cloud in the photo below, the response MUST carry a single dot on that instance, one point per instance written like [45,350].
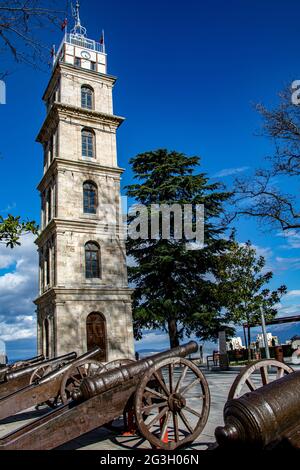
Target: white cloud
[292,238]
[284,263]
[18,288]
[230,171]
[293,293]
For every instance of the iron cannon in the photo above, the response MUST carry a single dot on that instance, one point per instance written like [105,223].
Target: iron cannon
[20,365]
[14,380]
[166,395]
[267,416]
[52,388]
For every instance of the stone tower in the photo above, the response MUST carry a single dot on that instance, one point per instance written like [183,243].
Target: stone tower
[84,297]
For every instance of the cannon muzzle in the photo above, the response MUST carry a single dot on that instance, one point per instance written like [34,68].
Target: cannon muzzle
[265,417]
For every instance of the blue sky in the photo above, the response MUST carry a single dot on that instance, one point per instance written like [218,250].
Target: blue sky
[188,77]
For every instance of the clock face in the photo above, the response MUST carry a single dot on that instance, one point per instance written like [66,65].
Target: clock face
[85,55]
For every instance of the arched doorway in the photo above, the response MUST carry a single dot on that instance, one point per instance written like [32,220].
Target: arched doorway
[96,334]
[46,324]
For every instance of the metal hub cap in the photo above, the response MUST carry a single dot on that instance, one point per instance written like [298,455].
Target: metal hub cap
[176,402]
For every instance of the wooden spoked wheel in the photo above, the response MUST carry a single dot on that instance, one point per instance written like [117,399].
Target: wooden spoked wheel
[117,363]
[74,376]
[36,376]
[39,373]
[257,375]
[172,403]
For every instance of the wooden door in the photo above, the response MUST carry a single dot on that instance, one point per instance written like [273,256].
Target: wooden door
[96,334]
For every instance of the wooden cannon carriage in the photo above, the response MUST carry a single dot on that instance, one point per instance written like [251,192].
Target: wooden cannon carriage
[168,394]
[14,380]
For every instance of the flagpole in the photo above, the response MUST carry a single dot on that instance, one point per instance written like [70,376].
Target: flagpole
[103,41]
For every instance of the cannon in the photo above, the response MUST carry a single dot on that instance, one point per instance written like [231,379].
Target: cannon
[267,416]
[20,365]
[53,388]
[168,393]
[20,378]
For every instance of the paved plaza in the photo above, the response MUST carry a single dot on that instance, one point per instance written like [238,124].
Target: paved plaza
[105,439]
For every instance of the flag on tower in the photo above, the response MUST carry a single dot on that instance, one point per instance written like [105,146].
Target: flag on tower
[64,24]
[102,38]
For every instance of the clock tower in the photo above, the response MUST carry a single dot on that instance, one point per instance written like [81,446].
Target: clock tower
[84,298]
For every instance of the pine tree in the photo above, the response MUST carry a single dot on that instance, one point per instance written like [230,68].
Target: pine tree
[171,282]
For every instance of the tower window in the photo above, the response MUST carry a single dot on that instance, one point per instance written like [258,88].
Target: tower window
[87,97]
[89,198]
[47,262]
[49,205]
[92,260]
[77,62]
[88,143]
[93,66]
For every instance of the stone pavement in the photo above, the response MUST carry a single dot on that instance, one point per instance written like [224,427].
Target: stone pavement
[104,439]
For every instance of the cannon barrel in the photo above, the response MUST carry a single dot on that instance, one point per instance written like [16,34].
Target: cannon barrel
[57,372]
[93,386]
[264,417]
[31,368]
[20,364]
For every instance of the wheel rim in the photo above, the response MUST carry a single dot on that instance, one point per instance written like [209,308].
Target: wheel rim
[172,400]
[39,373]
[257,375]
[73,378]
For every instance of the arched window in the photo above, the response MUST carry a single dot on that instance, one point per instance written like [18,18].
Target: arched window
[92,260]
[87,97]
[88,143]
[89,198]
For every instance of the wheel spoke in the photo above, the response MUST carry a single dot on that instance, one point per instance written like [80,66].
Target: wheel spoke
[76,381]
[154,392]
[194,412]
[280,373]
[157,417]
[171,377]
[154,405]
[165,426]
[175,424]
[188,387]
[162,384]
[181,378]
[185,421]
[79,370]
[264,375]
[250,384]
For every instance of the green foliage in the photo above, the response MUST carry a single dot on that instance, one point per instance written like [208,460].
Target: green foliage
[11,229]
[171,282]
[241,280]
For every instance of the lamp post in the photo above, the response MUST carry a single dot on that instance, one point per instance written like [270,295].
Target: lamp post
[263,327]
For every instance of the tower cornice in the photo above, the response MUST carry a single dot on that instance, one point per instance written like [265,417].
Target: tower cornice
[60,110]
[61,164]
[61,68]
[83,225]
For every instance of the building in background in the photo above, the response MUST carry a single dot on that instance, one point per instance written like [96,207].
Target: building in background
[84,297]
[235,343]
[272,340]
